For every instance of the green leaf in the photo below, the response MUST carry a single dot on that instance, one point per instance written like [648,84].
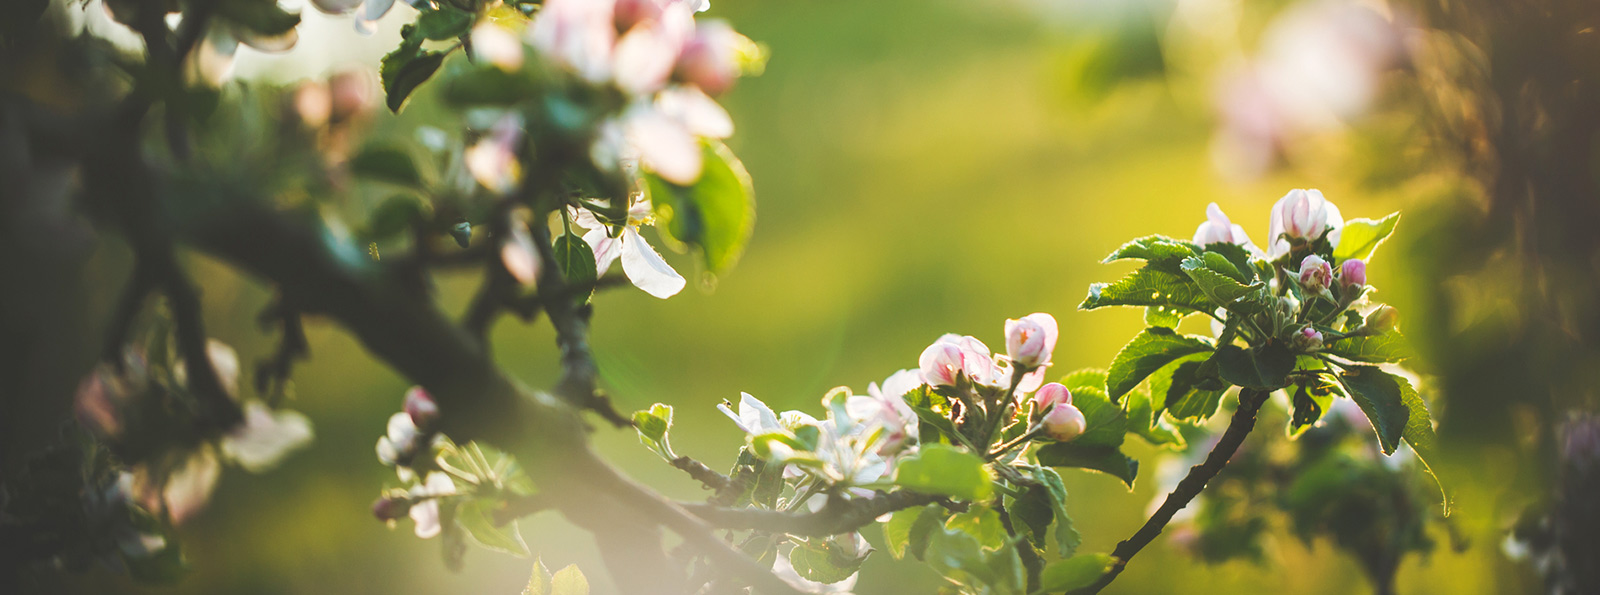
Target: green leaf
[1105,459]
[652,425]
[1149,286]
[473,515]
[262,17]
[716,213]
[539,582]
[1031,513]
[947,471]
[1164,316]
[1067,537]
[1218,279]
[1107,423]
[1146,423]
[1075,573]
[408,66]
[575,259]
[444,24]
[1238,256]
[897,532]
[1362,236]
[1187,397]
[1151,349]
[1261,368]
[1388,347]
[1382,397]
[1157,250]
[394,216]
[825,560]
[963,560]
[569,581]
[387,164]
[1309,406]
[922,529]
[1087,377]
[982,523]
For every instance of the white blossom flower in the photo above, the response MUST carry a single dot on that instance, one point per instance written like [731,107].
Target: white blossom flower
[643,265]
[754,416]
[492,160]
[426,514]
[1031,340]
[495,45]
[265,437]
[1217,228]
[886,407]
[1302,216]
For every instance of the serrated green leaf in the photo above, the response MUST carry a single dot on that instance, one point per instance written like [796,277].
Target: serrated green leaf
[1381,396]
[897,532]
[947,471]
[1067,537]
[1090,377]
[539,582]
[1032,514]
[1162,251]
[1262,368]
[982,523]
[716,213]
[407,67]
[387,164]
[824,560]
[1149,286]
[1361,237]
[1105,459]
[1222,286]
[1107,423]
[473,515]
[569,581]
[653,425]
[575,259]
[1075,572]
[1151,349]
[1236,255]
[444,24]
[1385,348]
[1308,407]
[1144,421]
[1187,396]
[1164,316]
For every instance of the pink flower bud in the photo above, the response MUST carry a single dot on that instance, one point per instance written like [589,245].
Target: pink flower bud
[1054,393]
[1383,319]
[1064,423]
[941,364]
[1315,274]
[420,406]
[1218,229]
[1353,273]
[1302,216]
[1031,340]
[711,59]
[628,13]
[1308,339]
[388,509]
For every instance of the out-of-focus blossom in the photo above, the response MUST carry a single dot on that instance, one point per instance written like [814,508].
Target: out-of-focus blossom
[1031,340]
[1064,423]
[265,437]
[1320,64]
[492,160]
[520,256]
[1353,273]
[1302,216]
[494,45]
[400,440]
[1308,339]
[184,491]
[389,509]
[1315,275]
[1054,393]
[1382,319]
[1218,229]
[640,262]
[578,35]
[646,53]
[663,134]
[715,57]
[886,407]
[426,514]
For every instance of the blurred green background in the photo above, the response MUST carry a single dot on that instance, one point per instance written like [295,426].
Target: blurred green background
[921,167]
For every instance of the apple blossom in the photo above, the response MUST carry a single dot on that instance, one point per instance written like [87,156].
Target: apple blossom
[492,160]
[644,55]
[1050,394]
[1315,275]
[426,514]
[754,417]
[265,436]
[886,407]
[1064,423]
[1302,216]
[495,45]
[1353,273]
[1031,339]
[1308,339]
[1218,229]
[577,35]
[520,256]
[714,58]
[940,364]
[640,262]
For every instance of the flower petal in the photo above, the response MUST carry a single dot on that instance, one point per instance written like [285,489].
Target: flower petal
[646,269]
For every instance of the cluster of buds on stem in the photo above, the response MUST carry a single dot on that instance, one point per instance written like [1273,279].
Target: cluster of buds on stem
[1061,421]
[411,430]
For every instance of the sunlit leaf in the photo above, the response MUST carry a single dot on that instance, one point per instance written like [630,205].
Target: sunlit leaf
[1105,459]
[1075,573]
[1151,349]
[947,471]
[1362,236]
[716,213]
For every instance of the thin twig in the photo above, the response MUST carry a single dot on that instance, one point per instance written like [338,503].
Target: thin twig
[837,516]
[708,477]
[1244,420]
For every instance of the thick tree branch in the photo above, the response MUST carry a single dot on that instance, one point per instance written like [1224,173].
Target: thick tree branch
[838,516]
[1244,420]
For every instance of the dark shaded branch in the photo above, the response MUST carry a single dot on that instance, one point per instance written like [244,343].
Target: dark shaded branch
[273,373]
[1244,420]
[838,516]
[707,476]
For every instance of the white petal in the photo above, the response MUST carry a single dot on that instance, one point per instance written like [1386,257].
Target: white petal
[698,112]
[757,416]
[375,9]
[426,516]
[266,437]
[665,146]
[606,249]
[646,269]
